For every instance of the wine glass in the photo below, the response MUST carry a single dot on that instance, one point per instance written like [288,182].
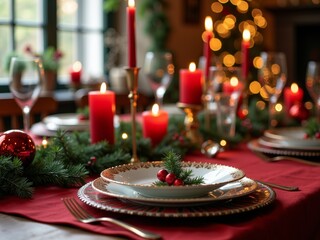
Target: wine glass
[273,77]
[159,70]
[313,84]
[226,85]
[25,84]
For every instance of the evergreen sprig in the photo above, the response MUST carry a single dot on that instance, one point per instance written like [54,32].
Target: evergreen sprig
[173,164]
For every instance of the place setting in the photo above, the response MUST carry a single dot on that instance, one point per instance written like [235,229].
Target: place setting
[151,189]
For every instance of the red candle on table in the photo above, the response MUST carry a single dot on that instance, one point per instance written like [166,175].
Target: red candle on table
[292,95]
[191,85]
[155,124]
[245,53]
[75,73]
[131,11]
[101,114]
[207,50]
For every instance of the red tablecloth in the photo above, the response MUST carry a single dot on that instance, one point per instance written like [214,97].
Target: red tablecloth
[293,215]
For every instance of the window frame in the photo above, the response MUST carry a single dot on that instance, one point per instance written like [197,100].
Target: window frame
[50,28]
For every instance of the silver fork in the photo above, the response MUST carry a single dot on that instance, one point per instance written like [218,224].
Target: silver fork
[83,216]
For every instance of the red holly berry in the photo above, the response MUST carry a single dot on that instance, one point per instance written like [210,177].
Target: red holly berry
[170,178]
[178,182]
[317,135]
[162,175]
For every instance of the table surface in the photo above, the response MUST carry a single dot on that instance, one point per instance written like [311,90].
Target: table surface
[292,212]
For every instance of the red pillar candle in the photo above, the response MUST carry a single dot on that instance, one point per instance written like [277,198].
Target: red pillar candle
[75,72]
[101,115]
[245,53]
[207,50]
[191,85]
[292,95]
[155,124]
[131,10]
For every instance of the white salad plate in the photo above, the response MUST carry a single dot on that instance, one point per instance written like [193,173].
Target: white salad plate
[141,177]
[239,188]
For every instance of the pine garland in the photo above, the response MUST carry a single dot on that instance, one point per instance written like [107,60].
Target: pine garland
[70,157]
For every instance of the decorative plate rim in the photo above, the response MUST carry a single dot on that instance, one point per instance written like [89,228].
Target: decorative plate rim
[260,198]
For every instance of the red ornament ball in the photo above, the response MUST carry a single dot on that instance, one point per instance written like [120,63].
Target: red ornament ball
[16,143]
[299,112]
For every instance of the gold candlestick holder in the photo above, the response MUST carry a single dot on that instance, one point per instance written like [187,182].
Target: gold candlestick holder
[206,102]
[132,82]
[191,122]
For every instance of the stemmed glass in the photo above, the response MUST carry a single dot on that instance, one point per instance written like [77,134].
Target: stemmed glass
[313,84]
[159,69]
[273,77]
[226,86]
[25,84]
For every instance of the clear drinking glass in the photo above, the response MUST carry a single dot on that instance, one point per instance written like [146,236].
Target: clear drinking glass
[226,86]
[273,77]
[313,84]
[25,84]
[159,69]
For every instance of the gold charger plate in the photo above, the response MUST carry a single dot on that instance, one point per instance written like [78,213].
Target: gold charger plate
[260,198]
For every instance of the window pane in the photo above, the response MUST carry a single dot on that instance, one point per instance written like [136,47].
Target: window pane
[5,46]
[29,10]
[5,9]
[29,36]
[93,54]
[67,12]
[68,45]
[92,8]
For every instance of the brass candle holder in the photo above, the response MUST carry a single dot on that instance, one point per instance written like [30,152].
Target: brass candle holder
[191,122]
[132,82]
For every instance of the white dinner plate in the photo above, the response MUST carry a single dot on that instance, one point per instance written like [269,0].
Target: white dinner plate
[284,144]
[141,178]
[66,121]
[290,138]
[256,146]
[261,197]
[231,190]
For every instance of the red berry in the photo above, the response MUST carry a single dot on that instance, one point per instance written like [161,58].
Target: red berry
[317,135]
[170,178]
[178,182]
[162,175]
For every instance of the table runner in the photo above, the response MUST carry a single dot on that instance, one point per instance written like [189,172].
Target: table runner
[294,215]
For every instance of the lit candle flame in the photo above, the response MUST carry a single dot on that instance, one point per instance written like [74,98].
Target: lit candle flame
[77,66]
[155,109]
[131,3]
[208,24]
[192,67]
[103,87]
[246,35]
[294,88]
